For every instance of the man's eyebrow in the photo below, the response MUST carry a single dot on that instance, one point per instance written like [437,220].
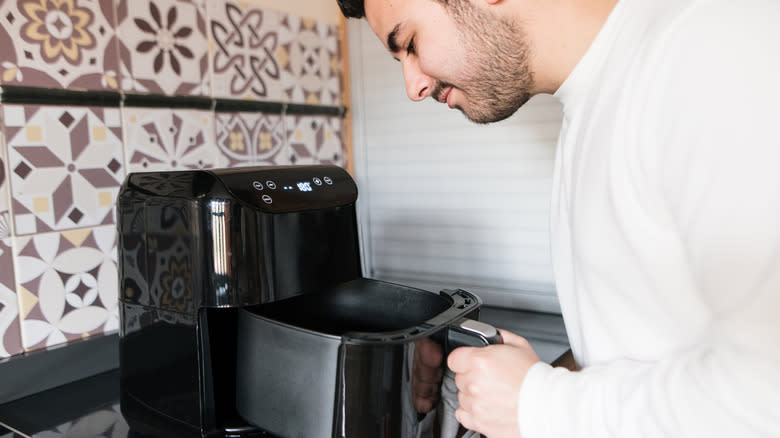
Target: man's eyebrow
[392,44]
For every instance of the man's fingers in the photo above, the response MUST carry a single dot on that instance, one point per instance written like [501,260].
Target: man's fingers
[465,419]
[460,358]
[488,380]
[514,340]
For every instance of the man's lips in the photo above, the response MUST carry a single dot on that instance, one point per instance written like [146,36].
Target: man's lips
[444,96]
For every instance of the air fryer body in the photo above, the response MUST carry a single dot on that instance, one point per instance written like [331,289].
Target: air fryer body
[197,246]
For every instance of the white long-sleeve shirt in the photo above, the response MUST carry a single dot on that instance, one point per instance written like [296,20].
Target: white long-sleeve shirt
[665,228]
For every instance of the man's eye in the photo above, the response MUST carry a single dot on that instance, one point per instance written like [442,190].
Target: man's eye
[410,47]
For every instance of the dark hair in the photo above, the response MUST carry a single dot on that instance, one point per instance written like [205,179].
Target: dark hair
[352,8]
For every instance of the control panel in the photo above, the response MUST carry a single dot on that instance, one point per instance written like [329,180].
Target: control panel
[280,189]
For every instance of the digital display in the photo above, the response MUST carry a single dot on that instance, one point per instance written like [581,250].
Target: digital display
[304,186]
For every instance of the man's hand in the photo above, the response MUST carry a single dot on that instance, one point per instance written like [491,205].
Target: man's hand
[488,381]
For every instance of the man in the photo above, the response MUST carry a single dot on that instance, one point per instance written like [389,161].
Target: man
[665,221]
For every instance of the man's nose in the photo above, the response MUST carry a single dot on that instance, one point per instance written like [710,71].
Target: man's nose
[418,84]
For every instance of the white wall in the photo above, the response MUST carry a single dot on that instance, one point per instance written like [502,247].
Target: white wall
[446,203]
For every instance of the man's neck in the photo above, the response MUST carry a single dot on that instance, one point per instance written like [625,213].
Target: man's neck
[561,32]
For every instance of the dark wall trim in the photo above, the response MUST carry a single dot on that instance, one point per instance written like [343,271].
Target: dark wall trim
[43,96]
[160,101]
[228,105]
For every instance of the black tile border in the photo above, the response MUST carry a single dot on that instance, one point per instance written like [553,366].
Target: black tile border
[160,101]
[43,96]
[240,106]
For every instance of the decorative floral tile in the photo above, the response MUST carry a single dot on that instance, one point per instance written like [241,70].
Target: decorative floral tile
[163,46]
[246,139]
[65,166]
[165,139]
[58,44]
[67,285]
[310,59]
[315,140]
[245,43]
[10,336]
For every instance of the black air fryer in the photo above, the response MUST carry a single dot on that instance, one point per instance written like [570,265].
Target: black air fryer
[244,313]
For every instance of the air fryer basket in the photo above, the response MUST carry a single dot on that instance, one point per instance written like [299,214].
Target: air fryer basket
[357,306]
[335,363]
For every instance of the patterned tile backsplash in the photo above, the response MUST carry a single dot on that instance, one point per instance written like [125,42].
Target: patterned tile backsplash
[165,139]
[314,140]
[65,166]
[62,165]
[170,47]
[309,57]
[59,44]
[265,55]
[10,336]
[163,47]
[249,139]
[67,285]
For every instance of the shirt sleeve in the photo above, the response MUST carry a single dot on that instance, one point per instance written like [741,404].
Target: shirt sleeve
[712,131]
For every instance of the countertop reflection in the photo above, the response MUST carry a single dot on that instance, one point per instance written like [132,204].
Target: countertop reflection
[83,409]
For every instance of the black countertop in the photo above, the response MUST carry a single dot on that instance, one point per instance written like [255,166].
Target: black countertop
[89,407]
[85,408]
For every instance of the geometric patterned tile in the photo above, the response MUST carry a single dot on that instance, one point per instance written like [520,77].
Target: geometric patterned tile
[65,165]
[250,139]
[10,335]
[165,139]
[246,42]
[315,140]
[163,46]
[67,285]
[59,44]
[261,54]
[310,59]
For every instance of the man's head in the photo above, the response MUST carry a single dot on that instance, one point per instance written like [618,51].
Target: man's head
[352,8]
[455,51]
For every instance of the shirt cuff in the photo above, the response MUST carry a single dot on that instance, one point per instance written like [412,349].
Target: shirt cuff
[533,402]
